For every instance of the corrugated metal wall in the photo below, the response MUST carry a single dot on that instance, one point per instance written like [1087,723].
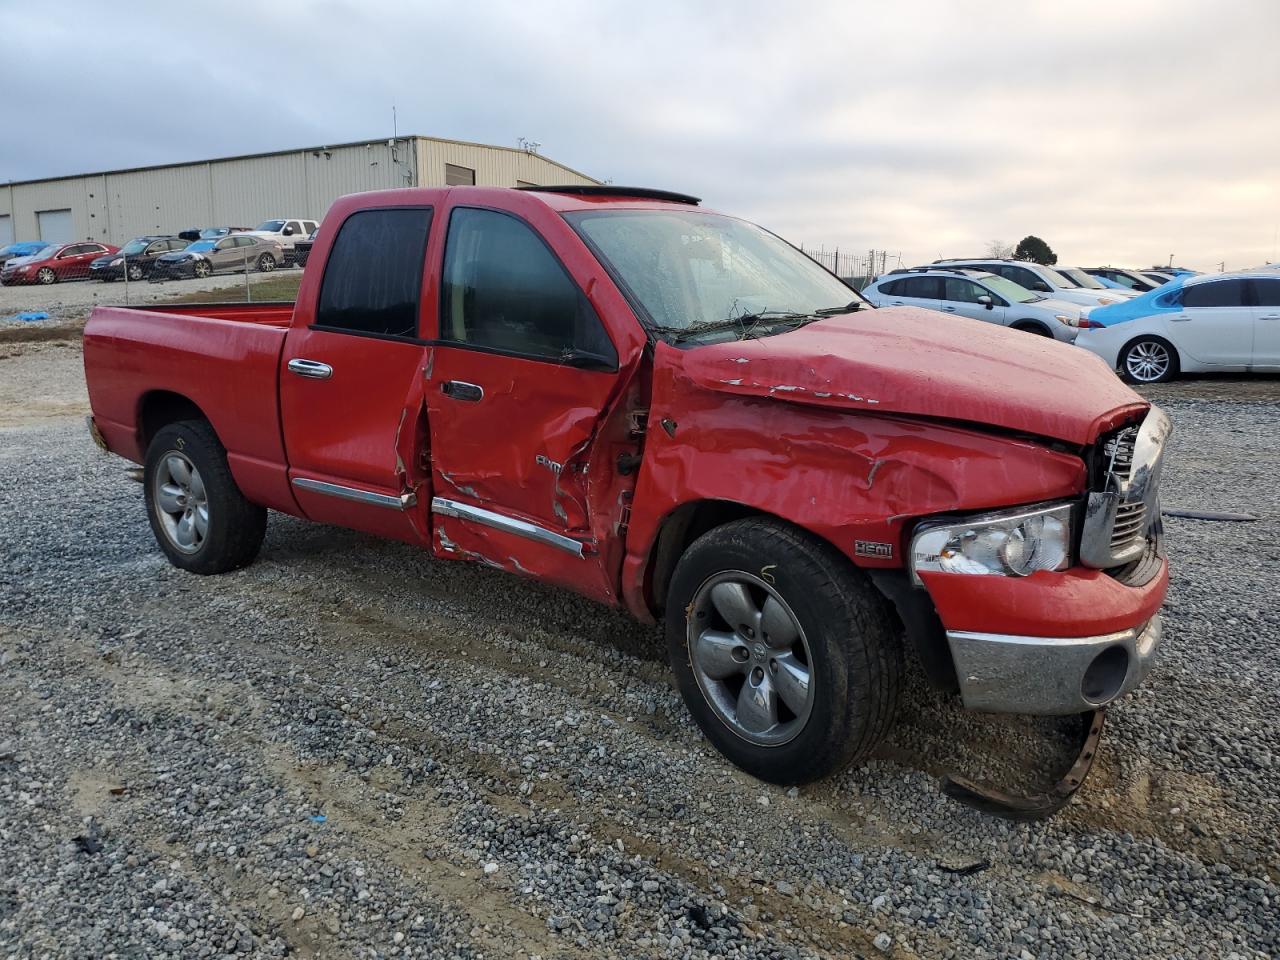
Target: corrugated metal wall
[245,191]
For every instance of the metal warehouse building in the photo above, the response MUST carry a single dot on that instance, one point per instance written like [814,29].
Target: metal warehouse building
[244,191]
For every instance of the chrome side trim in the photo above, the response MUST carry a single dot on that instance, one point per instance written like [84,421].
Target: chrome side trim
[1003,673]
[402,502]
[498,521]
[1141,486]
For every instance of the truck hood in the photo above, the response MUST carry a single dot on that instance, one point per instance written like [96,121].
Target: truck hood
[913,362]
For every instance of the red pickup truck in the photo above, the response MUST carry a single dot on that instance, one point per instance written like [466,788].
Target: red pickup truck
[671,410]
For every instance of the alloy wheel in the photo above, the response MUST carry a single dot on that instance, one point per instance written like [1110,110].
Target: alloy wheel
[181,502]
[1147,361]
[750,658]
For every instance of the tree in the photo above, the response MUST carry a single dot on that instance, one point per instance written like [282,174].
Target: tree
[1036,250]
[999,250]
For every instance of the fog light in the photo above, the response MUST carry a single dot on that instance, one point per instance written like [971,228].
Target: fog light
[1105,676]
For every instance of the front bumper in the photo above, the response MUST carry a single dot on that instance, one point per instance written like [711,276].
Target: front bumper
[1004,673]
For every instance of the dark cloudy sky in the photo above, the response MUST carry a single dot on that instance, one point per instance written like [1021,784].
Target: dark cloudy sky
[1120,131]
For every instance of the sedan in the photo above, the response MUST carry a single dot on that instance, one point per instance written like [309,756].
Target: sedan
[22,249]
[140,254]
[232,254]
[58,261]
[1226,322]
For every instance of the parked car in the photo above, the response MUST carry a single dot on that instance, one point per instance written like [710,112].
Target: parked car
[1226,322]
[1155,276]
[980,296]
[233,253]
[1037,278]
[208,233]
[22,249]
[139,254]
[58,261]
[302,250]
[286,232]
[736,445]
[1126,278]
[1089,282]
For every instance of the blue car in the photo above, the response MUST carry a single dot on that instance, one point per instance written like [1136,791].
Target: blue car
[24,249]
[1163,299]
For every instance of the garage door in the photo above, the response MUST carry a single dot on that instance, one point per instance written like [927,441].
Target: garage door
[55,225]
[6,230]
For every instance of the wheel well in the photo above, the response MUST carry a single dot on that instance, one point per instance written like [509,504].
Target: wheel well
[1173,351]
[162,407]
[684,525]
[1032,326]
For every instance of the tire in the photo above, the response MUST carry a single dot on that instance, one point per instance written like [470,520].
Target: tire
[233,527]
[266,263]
[201,269]
[1148,360]
[46,276]
[136,272]
[845,639]
[1030,326]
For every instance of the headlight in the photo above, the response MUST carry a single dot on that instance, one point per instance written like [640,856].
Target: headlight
[1106,301]
[1069,321]
[117,261]
[1011,544]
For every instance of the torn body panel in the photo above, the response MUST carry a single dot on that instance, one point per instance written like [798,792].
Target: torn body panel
[845,476]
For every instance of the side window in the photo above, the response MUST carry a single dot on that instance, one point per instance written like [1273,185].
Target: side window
[503,289]
[1019,275]
[373,277]
[1218,293]
[891,289]
[72,250]
[295,226]
[922,288]
[962,291]
[1266,293]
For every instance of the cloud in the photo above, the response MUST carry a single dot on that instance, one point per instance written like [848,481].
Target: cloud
[1118,132]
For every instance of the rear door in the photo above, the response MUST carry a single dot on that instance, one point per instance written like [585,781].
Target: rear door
[1215,324]
[521,375]
[350,373]
[1266,323]
[919,292]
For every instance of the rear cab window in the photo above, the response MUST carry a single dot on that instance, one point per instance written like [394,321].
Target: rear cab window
[372,281]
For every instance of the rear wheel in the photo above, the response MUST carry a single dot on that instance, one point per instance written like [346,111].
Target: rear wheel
[784,655]
[202,269]
[266,263]
[1148,360]
[200,518]
[46,275]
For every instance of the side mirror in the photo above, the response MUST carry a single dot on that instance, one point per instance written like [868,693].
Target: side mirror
[288,231]
[986,301]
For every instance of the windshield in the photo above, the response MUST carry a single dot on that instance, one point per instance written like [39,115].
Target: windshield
[134,246]
[1054,278]
[692,269]
[271,226]
[1013,292]
[200,245]
[1081,279]
[212,233]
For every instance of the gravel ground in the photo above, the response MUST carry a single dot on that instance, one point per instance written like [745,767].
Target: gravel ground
[350,749]
[72,300]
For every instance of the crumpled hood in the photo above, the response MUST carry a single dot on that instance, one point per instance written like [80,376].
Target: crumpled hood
[905,360]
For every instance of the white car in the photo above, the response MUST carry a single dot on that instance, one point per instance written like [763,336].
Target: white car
[1038,279]
[285,231]
[980,296]
[1225,322]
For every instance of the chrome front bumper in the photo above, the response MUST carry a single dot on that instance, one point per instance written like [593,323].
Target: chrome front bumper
[1000,673]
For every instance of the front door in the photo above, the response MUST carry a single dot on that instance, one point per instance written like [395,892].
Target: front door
[1266,323]
[522,377]
[960,296]
[351,380]
[1215,324]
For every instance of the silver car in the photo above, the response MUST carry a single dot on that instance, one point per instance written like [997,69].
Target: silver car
[230,254]
[980,296]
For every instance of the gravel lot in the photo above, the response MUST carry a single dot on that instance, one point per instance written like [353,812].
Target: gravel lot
[349,749]
[73,299]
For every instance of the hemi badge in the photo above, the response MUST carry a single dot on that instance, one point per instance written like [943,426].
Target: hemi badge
[869,548]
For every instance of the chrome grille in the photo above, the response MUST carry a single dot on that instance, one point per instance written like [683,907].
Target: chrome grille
[1118,450]
[1122,511]
[1130,525]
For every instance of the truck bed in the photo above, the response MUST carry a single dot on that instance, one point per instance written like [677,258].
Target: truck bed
[223,359]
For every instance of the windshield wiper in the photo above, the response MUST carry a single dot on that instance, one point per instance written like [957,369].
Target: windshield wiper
[853,306]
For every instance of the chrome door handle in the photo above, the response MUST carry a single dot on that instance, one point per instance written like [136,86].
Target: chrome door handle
[461,390]
[311,369]
[1270,316]
[1181,319]
[896,303]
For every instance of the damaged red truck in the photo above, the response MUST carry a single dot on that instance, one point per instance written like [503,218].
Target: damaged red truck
[672,410]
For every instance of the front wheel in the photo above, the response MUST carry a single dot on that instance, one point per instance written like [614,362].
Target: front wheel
[202,269]
[200,518]
[46,275]
[266,263]
[1148,360]
[786,657]
[135,271]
